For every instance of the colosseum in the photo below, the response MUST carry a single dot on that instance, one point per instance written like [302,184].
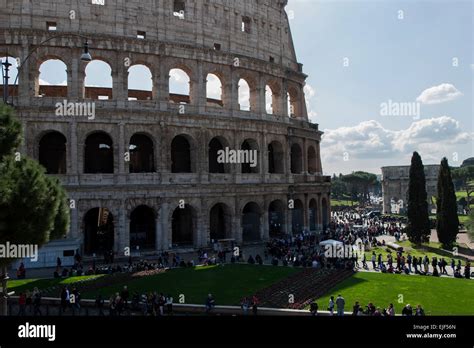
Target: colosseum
[144,171]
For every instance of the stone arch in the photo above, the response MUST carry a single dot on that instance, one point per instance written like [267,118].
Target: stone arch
[52,80]
[296,159]
[313,215]
[220,222]
[272,97]
[184,227]
[142,154]
[276,158]
[96,72]
[98,154]
[98,231]
[276,218]
[244,95]
[143,228]
[297,214]
[183,154]
[215,166]
[140,82]
[294,108]
[13,73]
[53,152]
[312,160]
[248,146]
[180,84]
[214,89]
[251,222]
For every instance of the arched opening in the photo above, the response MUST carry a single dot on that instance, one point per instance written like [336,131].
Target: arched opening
[181,155]
[142,228]
[52,153]
[293,108]
[217,163]
[244,95]
[276,155]
[312,160]
[313,215]
[250,152]
[251,223]
[52,81]
[183,225]
[140,83]
[298,217]
[98,82]
[98,231]
[276,219]
[220,222]
[325,213]
[214,90]
[269,100]
[12,73]
[296,159]
[179,86]
[141,154]
[99,154]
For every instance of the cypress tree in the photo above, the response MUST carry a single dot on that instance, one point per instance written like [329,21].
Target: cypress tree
[447,212]
[418,227]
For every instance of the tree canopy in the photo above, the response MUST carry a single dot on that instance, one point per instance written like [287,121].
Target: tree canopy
[33,206]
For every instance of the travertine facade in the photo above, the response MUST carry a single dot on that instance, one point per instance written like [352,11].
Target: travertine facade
[234,40]
[395,181]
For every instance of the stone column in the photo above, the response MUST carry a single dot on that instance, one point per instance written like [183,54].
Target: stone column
[305,156]
[74,228]
[165,226]
[122,149]
[306,212]
[120,83]
[266,227]
[24,82]
[263,158]
[284,99]
[73,149]
[158,234]
[319,213]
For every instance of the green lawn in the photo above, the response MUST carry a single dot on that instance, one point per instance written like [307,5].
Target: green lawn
[344,202]
[21,285]
[229,283]
[438,296]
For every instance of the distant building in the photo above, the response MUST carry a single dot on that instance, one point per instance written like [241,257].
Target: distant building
[395,182]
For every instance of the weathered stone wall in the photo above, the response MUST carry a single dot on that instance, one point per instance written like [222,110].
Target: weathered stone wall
[170,43]
[395,181]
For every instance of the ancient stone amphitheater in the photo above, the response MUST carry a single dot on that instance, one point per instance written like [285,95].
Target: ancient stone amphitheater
[144,171]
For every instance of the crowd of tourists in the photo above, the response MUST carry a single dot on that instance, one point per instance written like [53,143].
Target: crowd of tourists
[337,307]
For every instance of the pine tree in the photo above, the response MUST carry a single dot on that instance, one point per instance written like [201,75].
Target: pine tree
[447,212]
[33,206]
[418,227]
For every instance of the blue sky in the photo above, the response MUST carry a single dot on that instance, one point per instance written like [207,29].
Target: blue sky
[392,55]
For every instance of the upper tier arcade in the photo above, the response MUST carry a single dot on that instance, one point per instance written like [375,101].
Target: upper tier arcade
[251,28]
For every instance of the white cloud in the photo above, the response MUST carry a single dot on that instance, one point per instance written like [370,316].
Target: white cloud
[370,141]
[439,94]
[310,96]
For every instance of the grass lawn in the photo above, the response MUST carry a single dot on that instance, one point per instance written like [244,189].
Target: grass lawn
[438,296]
[20,285]
[431,249]
[344,202]
[229,283]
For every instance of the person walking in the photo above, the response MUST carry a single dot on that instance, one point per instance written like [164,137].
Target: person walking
[340,303]
[331,305]
[22,304]
[314,309]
